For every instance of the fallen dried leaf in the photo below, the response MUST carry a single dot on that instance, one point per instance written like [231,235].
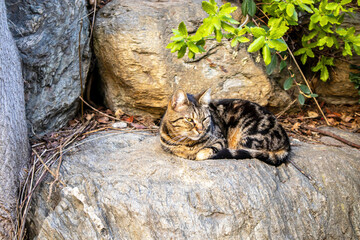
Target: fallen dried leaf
[346,118]
[138,126]
[119,113]
[312,114]
[88,117]
[296,126]
[129,119]
[103,120]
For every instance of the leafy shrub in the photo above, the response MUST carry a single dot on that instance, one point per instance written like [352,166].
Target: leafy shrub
[324,32]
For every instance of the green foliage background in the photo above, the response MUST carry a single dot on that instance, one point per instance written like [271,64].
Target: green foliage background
[325,32]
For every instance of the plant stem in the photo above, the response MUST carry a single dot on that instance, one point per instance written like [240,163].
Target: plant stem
[308,85]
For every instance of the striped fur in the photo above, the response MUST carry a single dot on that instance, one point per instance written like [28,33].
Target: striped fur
[198,128]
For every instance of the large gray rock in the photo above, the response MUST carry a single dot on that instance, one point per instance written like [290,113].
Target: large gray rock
[123,186]
[139,74]
[47,35]
[14,145]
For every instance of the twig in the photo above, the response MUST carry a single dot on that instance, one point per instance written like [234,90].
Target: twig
[307,84]
[303,76]
[93,20]
[27,204]
[287,108]
[80,72]
[330,134]
[82,99]
[300,170]
[47,168]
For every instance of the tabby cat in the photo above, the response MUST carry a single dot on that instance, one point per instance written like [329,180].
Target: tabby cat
[198,128]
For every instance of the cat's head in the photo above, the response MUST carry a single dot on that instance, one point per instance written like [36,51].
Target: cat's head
[188,115]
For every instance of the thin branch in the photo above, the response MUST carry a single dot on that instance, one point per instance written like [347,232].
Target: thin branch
[330,134]
[80,72]
[46,167]
[307,84]
[82,99]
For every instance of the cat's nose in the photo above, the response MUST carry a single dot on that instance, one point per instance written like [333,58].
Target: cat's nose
[199,128]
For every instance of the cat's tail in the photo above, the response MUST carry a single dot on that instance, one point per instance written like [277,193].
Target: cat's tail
[274,158]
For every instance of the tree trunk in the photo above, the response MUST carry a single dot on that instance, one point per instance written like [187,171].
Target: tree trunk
[14,147]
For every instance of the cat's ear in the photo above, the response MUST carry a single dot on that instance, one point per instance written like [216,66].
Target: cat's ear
[205,97]
[179,100]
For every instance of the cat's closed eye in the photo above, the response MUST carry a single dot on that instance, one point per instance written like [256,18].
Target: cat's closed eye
[190,120]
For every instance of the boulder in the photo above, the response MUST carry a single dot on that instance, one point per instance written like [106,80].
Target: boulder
[339,89]
[47,36]
[124,186]
[139,74]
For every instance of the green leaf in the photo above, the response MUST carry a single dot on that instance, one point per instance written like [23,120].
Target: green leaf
[227,27]
[242,39]
[315,18]
[182,29]
[176,46]
[303,59]
[266,54]
[258,31]
[205,29]
[229,19]
[216,22]
[257,44]
[305,89]
[306,8]
[300,51]
[193,47]
[278,32]
[347,49]
[227,9]
[170,45]
[322,41]
[244,7]
[288,83]
[208,8]
[252,8]
[191,54]
[234,42]
[324,75]
[248,7]
[275,22]
[271,67]
[313,95]
[344,2]
[318,66]
[283,65]
[330,42]
[357,49]
[182,51]
[218,35]
[301,99]
[310,53]
[290,9]
[324,20]
[310,36]
[194,38]
[331,6]
[176,38]
[278,45]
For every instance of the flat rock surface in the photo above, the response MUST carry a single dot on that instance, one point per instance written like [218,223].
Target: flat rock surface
[124,186]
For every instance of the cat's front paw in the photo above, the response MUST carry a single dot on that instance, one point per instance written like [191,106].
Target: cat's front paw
[203,154]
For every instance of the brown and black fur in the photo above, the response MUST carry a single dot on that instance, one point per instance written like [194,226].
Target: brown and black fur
[198,128]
